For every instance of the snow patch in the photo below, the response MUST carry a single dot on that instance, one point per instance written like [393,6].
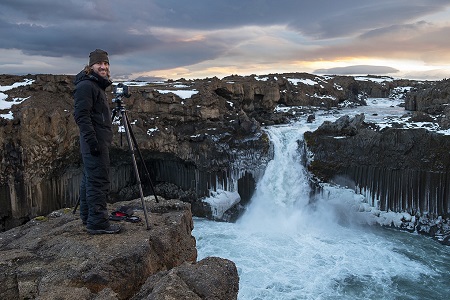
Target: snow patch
[374,79]
[151,130]
[304,81]
[262,78]
[183,94]
[8,104]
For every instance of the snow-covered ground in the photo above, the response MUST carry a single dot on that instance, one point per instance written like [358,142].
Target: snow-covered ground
[4,104]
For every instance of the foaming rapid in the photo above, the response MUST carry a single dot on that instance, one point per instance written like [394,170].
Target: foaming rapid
[288,248]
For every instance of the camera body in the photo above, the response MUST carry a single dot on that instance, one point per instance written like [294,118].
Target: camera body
[121,90]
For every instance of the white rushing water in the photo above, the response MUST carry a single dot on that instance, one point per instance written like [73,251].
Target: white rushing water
[286,248]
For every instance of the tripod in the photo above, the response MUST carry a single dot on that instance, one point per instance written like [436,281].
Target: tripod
[133,147]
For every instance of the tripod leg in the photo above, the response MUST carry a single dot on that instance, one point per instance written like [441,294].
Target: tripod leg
[143,163]
[76,206]
[136,171]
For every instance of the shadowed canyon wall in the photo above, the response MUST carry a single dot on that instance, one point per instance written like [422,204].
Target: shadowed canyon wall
[400,170]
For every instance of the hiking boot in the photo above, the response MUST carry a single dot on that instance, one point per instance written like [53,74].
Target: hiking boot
[113,228]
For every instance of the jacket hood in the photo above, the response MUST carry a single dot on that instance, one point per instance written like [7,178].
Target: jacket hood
[102,82]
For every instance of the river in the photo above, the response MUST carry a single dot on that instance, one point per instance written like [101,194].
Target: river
[285,247]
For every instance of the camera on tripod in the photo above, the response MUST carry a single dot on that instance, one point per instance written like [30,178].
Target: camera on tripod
[119,91]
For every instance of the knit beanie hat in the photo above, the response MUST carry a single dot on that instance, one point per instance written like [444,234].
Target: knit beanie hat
[98,55]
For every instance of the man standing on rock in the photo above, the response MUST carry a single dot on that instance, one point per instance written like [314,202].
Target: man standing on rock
[93,117]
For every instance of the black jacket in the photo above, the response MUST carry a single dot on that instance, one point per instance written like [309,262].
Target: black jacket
[92,112]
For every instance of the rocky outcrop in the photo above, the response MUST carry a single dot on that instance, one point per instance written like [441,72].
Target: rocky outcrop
[400,170]
[432,99]
[210,278]
[53,257]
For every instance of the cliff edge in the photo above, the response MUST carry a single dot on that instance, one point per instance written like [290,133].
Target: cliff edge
[53,257]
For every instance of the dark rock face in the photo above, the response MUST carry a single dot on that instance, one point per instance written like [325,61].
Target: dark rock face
[432,99]
[54,257]
[406,170]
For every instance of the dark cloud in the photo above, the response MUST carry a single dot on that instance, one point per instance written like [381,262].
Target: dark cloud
[358,70]
[61,40]
[110,20]
[143,35]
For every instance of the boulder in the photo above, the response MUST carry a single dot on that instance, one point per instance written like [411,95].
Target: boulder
[210,278]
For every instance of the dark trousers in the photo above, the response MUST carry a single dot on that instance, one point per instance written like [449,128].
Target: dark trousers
[94,190]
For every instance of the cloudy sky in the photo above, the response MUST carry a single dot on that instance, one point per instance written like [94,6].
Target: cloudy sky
[205,38]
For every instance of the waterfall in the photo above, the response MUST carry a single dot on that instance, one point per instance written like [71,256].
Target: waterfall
[283,192]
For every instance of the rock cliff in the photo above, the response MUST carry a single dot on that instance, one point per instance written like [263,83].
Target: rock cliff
[53,257]
[399,170]
[193,145]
